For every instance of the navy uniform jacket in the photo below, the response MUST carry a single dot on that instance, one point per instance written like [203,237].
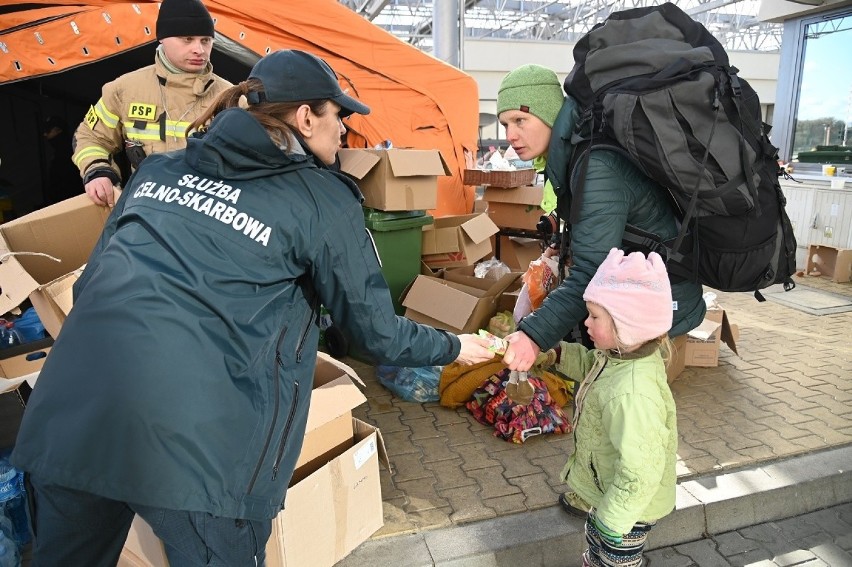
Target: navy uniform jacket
[182,376]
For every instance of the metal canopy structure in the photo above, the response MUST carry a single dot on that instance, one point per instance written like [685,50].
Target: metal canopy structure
[733,22]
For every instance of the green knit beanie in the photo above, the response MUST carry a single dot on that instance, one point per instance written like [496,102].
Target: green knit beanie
[534,89]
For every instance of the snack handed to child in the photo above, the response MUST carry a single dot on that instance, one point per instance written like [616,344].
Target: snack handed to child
[496,344]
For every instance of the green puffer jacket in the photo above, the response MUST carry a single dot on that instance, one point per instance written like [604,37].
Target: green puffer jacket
[625,435]
[616,194]
[183,375]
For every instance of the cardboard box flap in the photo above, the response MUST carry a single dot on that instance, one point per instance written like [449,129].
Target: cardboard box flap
[729,333]
[362,430]
[63,230]
[480,228]
[334,393]
[357,163]
[54,302]
[457,300]
[465,275]
[705,331]
[16,283]
[327,358]
[408,163]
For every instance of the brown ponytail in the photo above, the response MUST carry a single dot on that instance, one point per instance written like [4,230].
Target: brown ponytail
[228,98]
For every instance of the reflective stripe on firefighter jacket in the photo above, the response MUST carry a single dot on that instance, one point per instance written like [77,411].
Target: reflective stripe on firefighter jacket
[150,106]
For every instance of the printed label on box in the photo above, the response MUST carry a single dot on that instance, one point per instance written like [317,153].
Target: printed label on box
[363,454]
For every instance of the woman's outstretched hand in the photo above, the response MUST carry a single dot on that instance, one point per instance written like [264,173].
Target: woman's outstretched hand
[474,350]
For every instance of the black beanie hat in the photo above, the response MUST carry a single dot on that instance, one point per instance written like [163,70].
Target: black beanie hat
[183,18]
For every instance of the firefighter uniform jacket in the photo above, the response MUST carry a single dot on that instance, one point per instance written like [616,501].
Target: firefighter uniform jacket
[149,108]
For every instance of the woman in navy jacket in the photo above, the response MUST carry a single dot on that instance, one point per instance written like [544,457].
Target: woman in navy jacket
[179,387]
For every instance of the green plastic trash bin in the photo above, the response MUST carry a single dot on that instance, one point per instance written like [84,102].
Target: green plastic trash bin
[399,243]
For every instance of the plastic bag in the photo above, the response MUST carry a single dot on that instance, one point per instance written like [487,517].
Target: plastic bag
[501,324]
[523,307]
[412,384]
[540,278]
[493,269]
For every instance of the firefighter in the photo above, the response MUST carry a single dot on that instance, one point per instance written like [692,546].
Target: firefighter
[148,110]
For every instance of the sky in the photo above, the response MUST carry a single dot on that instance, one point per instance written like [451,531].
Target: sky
[827,75]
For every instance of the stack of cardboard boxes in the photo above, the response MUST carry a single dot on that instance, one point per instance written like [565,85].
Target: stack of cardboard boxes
[513,203]
[447,294]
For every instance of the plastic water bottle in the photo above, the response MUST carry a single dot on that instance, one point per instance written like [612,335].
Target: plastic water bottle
[10,556]
[9,336]
[13,504]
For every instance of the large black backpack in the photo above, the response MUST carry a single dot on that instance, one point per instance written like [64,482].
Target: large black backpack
[656,86]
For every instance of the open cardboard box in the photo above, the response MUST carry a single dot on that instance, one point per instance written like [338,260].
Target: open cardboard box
[519,207]
[327,515]
[829,262]
[459,302]
[702,343]
[18,372]
[700,346]
[334,502]
[516,251]
[459,240]
[38,252]
[395,179]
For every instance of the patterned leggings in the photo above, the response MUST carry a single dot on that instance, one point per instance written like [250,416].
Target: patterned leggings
[628,554]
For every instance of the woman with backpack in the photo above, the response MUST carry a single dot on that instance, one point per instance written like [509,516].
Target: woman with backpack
[539,122]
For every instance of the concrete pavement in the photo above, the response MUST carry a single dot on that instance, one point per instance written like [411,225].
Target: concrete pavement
[764,436]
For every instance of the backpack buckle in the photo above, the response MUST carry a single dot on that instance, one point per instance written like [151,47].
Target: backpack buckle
[736,87]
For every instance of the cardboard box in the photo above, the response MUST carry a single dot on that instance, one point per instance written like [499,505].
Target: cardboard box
[329,425]
[459,302]
[334,501]
[395,179]
[517,252]
[46,245]
[327,515]
[677,362]
[703,342]
[498,178]
[459,240]
[829,262]
[335,509]
[515,208]
[20,366]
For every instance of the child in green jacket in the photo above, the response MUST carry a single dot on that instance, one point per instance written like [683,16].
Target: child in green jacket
[625,425]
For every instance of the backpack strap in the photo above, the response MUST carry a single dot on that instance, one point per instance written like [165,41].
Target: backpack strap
[693,202]
[679,266]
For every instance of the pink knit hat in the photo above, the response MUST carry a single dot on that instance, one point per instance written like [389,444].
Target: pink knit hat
[636,293]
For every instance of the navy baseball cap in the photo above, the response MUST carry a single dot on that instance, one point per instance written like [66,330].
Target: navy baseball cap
[290,75]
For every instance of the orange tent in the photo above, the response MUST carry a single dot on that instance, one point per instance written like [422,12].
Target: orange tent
[416,100]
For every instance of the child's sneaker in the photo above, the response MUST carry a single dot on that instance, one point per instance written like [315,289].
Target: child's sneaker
[573,504]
